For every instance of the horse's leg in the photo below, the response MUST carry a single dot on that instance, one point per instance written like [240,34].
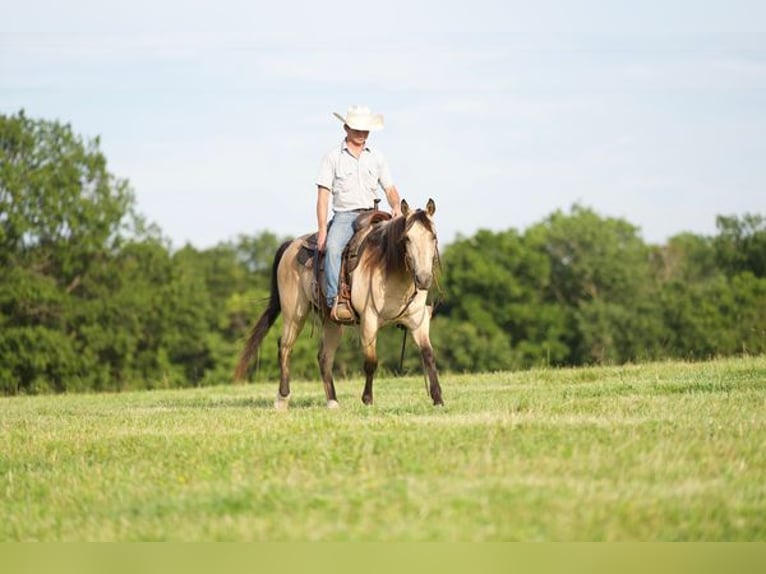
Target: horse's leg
[330,340]
[293,323]
[369,336]
[420,334]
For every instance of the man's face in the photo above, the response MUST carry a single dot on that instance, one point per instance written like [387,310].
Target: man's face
[356,137]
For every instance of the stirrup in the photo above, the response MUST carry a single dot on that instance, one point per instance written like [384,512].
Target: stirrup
[341,313]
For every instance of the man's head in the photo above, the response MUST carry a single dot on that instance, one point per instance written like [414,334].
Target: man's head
[356,137]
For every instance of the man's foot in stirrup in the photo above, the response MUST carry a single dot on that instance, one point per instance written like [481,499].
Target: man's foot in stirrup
[341,312]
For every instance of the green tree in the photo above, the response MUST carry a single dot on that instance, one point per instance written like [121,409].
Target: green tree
[61,214]
[741,244]
[256,252]
[59,206]
[687,258]
[600,275]
[496,283]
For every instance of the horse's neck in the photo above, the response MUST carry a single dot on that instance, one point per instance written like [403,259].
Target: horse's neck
[392,257]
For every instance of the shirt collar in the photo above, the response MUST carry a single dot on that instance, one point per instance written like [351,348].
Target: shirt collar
[344,146]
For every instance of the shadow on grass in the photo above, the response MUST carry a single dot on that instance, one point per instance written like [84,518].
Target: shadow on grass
[296,402]
[302,399]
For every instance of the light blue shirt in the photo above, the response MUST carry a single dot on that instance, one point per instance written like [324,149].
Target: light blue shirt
[353,182]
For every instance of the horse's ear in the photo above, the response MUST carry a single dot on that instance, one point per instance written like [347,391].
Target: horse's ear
[405,207]
[430,207]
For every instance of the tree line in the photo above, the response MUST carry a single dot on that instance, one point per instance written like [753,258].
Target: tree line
[92,298]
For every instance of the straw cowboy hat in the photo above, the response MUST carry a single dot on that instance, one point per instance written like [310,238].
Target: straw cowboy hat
[361,118]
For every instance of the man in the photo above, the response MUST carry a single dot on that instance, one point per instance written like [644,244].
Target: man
[351,174]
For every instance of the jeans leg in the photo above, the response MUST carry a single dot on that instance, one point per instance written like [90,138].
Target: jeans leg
[338,235]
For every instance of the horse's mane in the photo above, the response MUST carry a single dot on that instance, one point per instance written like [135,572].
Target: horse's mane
[384,245]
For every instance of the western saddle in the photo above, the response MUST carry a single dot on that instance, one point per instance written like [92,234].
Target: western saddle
[311,258]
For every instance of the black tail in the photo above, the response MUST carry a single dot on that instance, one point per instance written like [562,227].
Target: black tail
[264,323]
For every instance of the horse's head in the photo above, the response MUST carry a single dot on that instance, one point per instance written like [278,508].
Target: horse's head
[420,246]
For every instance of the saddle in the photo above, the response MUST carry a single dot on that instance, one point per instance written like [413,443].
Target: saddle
[311,258]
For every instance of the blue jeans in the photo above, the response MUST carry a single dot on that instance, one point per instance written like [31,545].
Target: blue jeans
[339,234]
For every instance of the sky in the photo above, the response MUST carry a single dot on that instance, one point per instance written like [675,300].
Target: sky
[503,112]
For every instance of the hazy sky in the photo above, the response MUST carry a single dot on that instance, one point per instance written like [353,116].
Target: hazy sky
[219,112]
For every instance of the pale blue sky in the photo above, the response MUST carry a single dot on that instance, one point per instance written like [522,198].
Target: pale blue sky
[219,112]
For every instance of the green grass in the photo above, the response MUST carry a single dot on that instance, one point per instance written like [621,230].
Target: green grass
[667,451]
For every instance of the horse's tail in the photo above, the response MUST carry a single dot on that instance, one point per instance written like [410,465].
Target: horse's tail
[259,330]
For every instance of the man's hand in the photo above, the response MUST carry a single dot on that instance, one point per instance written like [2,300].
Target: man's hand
[394,200]
[322,239]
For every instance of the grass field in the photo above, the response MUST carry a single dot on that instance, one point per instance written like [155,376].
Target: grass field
[669,451]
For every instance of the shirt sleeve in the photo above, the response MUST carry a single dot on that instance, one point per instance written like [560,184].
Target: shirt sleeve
[326,172]
[384,176]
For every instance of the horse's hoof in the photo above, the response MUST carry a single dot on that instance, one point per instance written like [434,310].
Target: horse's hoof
[281,403]
[439,403]
[333,404]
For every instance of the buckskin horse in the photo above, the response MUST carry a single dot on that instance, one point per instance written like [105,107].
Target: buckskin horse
[389,285]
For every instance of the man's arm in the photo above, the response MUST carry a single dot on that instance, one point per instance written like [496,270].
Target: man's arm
[323,203]
[394,200]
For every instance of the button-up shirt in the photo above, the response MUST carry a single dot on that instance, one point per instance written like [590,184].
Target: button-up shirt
[354,182]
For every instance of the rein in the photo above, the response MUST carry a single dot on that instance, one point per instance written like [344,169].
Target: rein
[437,259]
[434,306]
[407,304]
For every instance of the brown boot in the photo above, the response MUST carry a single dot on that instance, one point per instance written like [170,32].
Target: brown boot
[341,313]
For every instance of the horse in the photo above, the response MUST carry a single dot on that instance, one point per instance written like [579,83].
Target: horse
[389,285]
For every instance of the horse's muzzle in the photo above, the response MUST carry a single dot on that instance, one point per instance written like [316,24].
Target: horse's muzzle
[423,280]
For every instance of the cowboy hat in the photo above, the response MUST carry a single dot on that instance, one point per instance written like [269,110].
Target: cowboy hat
[361,118]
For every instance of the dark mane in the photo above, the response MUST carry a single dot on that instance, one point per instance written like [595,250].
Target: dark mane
[385,244]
